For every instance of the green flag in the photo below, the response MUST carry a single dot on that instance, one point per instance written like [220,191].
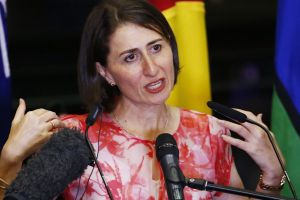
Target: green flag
[286,98]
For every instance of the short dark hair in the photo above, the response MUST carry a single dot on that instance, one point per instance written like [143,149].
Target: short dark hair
[100,25]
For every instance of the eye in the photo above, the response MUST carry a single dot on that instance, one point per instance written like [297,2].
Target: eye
[130,57]
[156,48]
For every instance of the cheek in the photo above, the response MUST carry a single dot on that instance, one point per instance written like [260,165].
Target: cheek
[127,80]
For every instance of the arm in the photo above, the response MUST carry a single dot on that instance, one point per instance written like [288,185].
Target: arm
[28,133]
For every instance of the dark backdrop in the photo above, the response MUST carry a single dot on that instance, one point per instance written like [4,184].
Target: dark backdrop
[44,40]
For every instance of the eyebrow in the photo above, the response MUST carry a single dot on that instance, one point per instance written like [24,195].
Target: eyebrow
[134,49]
[154,41]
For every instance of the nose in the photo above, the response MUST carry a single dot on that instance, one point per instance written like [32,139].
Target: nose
[150,68]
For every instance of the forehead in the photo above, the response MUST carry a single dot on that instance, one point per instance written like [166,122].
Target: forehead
[129,35]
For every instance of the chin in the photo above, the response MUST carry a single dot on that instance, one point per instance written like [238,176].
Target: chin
[163,98]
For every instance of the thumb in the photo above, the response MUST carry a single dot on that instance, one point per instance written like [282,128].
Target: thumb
[20,111]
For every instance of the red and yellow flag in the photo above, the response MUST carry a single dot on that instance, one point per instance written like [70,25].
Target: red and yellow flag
[187,20]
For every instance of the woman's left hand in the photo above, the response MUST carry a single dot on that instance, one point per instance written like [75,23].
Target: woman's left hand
[257,145]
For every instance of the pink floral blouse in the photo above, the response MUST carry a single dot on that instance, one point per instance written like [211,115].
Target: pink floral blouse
[127,161]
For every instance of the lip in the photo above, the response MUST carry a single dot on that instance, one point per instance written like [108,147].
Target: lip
[155,86]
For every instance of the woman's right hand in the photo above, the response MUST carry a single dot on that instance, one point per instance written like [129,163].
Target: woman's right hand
[29,131]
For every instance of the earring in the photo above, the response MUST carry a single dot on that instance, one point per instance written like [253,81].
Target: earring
[112,84]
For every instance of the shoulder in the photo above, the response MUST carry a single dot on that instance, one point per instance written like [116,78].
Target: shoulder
[186,113]
[203,121]
[78,121]
[74,121]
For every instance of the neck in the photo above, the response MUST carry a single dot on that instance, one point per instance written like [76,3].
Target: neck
[144,121]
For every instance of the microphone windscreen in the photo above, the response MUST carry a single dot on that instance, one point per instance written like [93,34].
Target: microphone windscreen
[227,112]
[166,144]
[48,172]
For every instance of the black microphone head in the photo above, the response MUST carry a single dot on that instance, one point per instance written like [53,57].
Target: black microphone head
[48,172]
[166,144]
[168,156]
[227,112]
[93,114]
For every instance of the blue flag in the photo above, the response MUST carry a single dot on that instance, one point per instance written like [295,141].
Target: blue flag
[5,93]
[286,98]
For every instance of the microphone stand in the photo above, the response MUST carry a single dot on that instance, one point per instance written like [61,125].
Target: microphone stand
[201,184]
[90,120]
[96,162]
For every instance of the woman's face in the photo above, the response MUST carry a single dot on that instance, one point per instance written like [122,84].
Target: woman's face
[140,63]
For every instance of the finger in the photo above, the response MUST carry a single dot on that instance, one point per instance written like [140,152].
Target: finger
[54,124]
[47,116]
[20,111]
[50,125]
[238,128]
[40,111]
[247,113]
[60,124]
[259,116]
[256,118]
[236,142]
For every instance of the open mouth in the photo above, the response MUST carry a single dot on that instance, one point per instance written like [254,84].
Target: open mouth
[156,86]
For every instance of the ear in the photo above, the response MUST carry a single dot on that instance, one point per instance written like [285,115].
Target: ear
[104,73]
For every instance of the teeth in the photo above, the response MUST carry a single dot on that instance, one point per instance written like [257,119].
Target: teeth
[155,85]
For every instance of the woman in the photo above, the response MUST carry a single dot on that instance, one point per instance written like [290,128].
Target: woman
[129,63]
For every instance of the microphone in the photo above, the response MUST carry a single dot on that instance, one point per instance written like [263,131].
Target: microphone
[92,116]
[48,172]
[241,118]
[167,154]
[228,112]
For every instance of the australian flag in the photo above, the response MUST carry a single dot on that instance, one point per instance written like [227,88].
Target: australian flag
[5,93]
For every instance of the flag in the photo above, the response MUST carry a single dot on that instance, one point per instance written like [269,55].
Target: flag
[187,19]
[5,95]
[286,98]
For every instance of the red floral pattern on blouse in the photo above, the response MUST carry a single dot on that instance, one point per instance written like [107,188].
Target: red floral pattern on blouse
[127,161]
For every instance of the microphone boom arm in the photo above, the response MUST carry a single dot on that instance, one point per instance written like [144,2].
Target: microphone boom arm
[201,184]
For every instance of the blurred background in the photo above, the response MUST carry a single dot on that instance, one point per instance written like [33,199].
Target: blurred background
[43,43]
